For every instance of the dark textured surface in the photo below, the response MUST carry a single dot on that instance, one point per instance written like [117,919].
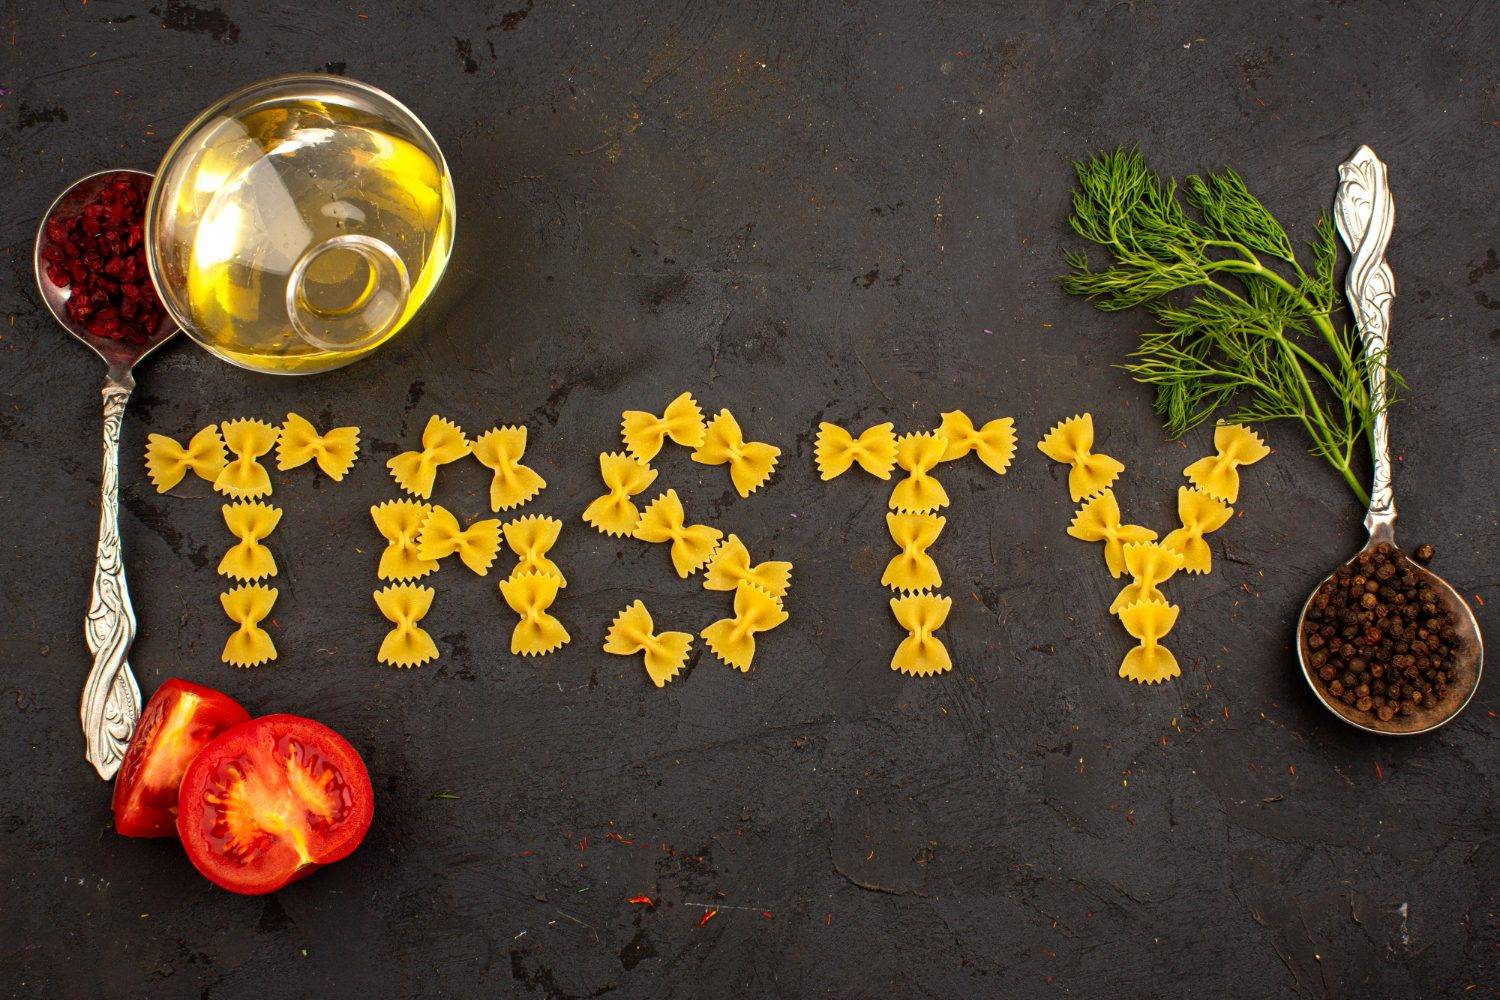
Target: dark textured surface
[799,211]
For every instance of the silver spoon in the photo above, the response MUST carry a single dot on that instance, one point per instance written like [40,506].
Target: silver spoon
[111,699]
[1365,215]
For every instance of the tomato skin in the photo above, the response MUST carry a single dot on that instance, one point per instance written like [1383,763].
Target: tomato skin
[271,801]
[180,720]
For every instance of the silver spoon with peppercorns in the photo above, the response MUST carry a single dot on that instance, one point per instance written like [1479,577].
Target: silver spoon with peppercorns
[91,268]
[1386,644]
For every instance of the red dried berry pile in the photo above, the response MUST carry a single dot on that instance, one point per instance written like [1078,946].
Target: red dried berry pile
[99,255]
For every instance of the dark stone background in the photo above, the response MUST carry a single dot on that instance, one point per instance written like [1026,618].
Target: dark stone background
[802,211]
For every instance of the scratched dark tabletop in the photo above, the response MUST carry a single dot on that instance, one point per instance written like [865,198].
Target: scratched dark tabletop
[800,211]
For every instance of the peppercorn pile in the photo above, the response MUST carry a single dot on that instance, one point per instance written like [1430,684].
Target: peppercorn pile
[99,255]
[1379,638]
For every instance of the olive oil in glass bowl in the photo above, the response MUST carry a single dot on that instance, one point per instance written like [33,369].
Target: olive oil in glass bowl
[298,224]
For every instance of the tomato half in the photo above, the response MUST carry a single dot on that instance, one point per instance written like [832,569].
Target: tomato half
[180,719]
[271,801]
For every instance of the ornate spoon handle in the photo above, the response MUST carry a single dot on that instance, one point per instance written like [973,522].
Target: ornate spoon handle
[1365,214]
[111,699]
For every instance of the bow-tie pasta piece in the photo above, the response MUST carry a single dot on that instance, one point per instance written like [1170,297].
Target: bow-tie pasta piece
[538,631]
[733,639]
[406,645]
[664,520]
[921,653]
[1071,443]
[167,461]
[249,522]
[836,450]
[1150,662]
[513,484]
[750,462]
[300,443]
[644,433]
[416,471]
[400,524]
[1149,565]
[1218,475]
[634,632]
[912,569]
[730,566]
[1200,515]
[440,536]
[1098,520]
[919,492]
[247,607]
[531,538]
[994,443]
[624,477]
[247,440]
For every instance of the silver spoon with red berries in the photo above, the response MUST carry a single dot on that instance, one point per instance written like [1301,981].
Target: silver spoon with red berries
[91,268]
[1386,644]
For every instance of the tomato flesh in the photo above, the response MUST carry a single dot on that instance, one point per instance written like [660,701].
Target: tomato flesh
[271,801]
[179,721]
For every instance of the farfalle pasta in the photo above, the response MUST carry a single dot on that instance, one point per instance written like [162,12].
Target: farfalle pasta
[299,443]
[1218,474]
[919,492]
[247,607]
[644,433]
[1150,565]
[750,462]
[730,566]
[1098,520]
[912,569]
[1071,443]
[615,513]
[167,461]
[531,596]
[406,644]
[733,639]
[250,523]
[1200,515]
[994,443]
[247,441]
[416,471]
[664,520]
[1150,662]
[837,450]
[921,653]
[634,632]
[440,536]
[531,538]
[500,450]
[400,523]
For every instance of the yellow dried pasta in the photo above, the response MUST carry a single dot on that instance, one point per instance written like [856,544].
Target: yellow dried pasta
[1200,514]
[300,443]
[1150,662]
[644,433]
[733,639]
[1218,474]
[405,645]
[912,569]
[921,653]
[247,440]
[531,538]
[531,596]
[919,492]
[513,484]
[634,632]
[1071,443]
[440,536]
[250,523]
[730,566]
[664,520]
[624,477]
[1149,564]
[400,523]
[837,450]
[167,461]
[994,443]
[416,471]
[750,462]
[1098,520]
[247,607]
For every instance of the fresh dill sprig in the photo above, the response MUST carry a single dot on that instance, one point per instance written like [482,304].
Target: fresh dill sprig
[1239,319]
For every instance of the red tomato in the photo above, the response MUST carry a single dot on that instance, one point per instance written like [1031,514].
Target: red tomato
[271,801]
[180,719]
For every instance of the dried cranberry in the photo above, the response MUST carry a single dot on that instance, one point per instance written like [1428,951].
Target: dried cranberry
[98,254]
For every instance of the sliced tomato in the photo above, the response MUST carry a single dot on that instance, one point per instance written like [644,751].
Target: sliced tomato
[180,719]
[271,801]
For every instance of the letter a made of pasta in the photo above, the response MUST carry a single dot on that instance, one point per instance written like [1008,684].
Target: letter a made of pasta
[634,632]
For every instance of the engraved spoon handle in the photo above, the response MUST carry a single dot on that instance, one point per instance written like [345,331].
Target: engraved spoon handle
[111,700]
[1365,214]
